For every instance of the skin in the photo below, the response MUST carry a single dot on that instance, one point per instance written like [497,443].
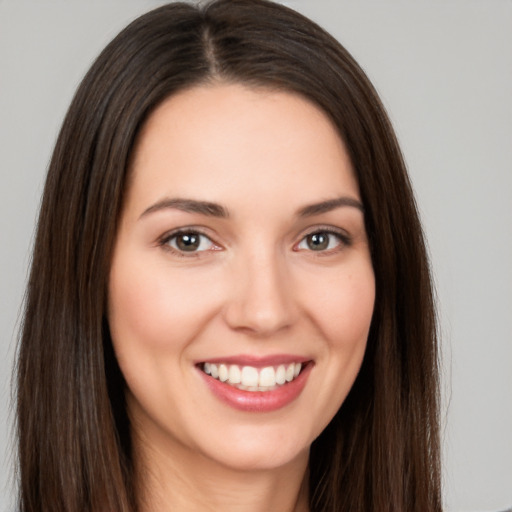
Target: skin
[255,287]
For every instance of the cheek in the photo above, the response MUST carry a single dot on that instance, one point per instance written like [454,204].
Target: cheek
[345,319]
[340,306]
[155,309]
[345,307]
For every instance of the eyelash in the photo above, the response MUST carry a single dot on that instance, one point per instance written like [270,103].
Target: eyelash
[164,242]
[343,239]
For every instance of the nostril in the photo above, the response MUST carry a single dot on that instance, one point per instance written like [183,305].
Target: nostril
[261,300]
[256,319]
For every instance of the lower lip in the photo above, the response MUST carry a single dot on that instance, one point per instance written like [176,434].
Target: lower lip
[258,401]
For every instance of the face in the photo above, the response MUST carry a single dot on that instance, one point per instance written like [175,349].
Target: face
[241,288]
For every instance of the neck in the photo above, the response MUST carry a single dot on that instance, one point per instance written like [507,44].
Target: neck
[179,479]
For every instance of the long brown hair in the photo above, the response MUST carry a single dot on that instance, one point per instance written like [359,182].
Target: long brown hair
[381,450]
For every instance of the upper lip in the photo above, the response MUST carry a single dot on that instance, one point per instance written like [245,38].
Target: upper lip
[257,361]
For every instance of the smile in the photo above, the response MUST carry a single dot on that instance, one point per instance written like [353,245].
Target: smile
[256,384]
[250,378]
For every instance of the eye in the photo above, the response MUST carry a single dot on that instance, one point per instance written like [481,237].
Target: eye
[189,241]
[323,240]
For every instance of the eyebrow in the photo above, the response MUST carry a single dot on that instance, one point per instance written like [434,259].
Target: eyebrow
[216,210]
[189,205]
[329,205]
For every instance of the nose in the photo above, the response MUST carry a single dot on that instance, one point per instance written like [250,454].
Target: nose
[261,299]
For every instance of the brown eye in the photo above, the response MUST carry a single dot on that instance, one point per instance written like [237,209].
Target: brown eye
[190,241]
[187,241]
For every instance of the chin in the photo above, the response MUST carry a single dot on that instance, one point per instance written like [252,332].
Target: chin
[257,449]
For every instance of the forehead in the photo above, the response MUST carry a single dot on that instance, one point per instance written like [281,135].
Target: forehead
[225,141]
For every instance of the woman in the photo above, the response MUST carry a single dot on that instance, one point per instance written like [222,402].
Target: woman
[229,303]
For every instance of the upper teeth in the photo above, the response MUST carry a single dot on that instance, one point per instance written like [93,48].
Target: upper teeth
[251,378]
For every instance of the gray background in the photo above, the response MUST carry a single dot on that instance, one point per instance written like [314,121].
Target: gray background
[444,70]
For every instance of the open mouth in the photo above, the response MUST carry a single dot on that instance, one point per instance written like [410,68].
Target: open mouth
[251,378]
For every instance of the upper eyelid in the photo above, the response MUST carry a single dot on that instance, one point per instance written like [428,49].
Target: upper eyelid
[326,229]
[192,229]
